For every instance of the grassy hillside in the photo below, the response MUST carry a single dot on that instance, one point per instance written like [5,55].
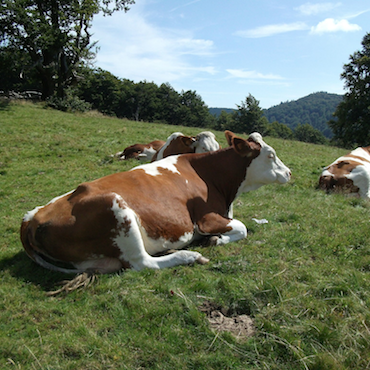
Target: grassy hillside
[304,278]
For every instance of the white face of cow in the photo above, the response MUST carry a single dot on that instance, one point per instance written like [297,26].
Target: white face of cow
[265,169]
[206,142]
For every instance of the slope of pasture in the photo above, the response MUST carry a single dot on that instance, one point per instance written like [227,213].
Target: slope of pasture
[304,278]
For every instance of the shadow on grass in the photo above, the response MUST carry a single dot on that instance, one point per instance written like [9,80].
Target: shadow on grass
[21,267]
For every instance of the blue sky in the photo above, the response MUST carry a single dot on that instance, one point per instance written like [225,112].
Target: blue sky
[276,50]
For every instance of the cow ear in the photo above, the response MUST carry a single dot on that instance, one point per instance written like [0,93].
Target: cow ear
[229,137]
[188,140]
[245,148]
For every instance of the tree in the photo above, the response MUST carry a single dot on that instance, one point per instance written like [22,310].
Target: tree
[192,111]
[224,121]
[54,36]
[309,134]
[276,129]
[249,117]
[353,113]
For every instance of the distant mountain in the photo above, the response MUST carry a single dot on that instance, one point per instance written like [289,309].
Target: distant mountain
[316,109]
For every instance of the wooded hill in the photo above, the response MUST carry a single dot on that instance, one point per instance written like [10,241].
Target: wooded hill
[315,109]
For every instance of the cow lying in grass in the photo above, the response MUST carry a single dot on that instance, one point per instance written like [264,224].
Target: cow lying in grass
[123,220]
[176,143]
[349,174]
[143,152]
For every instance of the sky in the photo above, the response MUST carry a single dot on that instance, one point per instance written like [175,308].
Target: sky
[275,50]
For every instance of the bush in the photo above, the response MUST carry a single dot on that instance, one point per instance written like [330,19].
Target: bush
[70,103]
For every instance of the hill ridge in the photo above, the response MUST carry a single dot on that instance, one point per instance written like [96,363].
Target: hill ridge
[315,109]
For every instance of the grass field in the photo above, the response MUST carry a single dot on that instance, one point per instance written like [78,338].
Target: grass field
[304,278]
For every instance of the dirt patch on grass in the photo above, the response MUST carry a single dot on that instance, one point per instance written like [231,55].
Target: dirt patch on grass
[241,326]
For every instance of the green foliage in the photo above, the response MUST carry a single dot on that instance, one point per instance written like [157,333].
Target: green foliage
[51,37]
[315,109]
[352,126]
[308,134]
[15,76]
[142,101]
[69,103]
[276,129]
[304,277]
[249,117]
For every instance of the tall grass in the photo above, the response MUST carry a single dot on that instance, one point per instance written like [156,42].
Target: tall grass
[303,277]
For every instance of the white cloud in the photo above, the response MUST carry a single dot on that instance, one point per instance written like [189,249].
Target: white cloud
[252,75]
[312,9]
[272,29]
[134,48]
[332,25]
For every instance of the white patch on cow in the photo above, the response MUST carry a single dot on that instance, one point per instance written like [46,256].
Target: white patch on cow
[265,169]
[239,231]
[154,246]
[59,197]
[147,154]
[205,142]
[348,159]
[31,214]
[360,152]
[129,240]
[152,169]
[360,176]
[172,137]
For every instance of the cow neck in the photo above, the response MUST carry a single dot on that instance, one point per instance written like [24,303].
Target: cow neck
[224,170]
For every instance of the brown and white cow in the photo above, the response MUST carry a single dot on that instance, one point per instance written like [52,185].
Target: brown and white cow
[123,220]
[348,174]
[176,143]
[141,151]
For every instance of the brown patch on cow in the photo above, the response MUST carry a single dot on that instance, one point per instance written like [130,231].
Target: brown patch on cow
[245,148]
[229,137]
[213,223]
[240,326]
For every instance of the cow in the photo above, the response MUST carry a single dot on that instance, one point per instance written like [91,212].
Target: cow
[176,143]
[124,220]
[141,151]
[349,174]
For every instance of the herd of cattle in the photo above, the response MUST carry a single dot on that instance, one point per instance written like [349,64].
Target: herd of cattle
[185,194]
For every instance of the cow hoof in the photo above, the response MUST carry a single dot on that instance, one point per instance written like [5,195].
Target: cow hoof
[202,260]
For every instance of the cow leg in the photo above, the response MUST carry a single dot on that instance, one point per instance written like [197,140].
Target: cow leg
[130,242]
[223,229]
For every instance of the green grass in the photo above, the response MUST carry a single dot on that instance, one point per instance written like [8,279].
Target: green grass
[304,277]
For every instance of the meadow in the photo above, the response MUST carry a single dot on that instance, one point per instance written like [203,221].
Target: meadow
[303,278]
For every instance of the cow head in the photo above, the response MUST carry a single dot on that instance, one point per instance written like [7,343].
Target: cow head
[265,167]
[176,143]
[205,142]
[339,176]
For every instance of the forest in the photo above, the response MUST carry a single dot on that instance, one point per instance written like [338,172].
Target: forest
[315,109]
